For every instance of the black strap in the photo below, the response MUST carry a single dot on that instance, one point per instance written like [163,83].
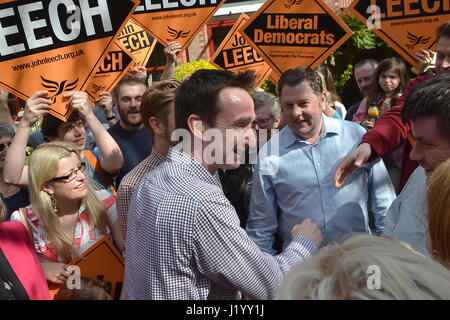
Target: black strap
[9,279]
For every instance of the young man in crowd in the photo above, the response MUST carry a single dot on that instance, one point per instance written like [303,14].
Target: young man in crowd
[184,240]
[157,112]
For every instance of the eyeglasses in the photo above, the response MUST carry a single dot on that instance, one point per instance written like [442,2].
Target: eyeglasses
[261,122]
[69,126]
[72,175]
[3,146]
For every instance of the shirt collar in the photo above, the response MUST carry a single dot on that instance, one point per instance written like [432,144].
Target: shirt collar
[157,156]
[193,166]
[330,127]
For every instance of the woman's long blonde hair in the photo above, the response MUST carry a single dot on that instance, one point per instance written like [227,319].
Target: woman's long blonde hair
[438,197]
[42,167]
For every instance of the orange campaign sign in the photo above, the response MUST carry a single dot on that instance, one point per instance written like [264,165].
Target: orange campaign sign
[175,20]
[406,25]
[139,42]
[274,77]
[237,55]
[57,45]
[291,33]
[114,66]
[102,261]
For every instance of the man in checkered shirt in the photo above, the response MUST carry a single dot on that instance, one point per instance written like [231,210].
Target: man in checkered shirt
[184,239]
[157,112]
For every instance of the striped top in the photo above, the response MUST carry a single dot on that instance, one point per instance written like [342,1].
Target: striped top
[184,240]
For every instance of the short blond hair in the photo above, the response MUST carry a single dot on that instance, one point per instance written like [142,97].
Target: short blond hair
[156,100]
[342,271]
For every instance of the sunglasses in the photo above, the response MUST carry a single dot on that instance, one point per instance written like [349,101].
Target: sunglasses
[3,146]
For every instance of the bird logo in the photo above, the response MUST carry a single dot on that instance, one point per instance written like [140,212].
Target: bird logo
[97,88]
[58,88]
[290,3]
[415,40]
[176,34]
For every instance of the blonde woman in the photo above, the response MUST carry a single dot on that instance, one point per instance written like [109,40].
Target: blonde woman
[66,215]
[366,267]
[438,197]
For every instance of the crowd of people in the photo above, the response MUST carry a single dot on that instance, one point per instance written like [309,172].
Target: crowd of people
[211,188]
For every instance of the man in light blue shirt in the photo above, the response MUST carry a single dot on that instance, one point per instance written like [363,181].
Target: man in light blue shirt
[294,172]
[406,219]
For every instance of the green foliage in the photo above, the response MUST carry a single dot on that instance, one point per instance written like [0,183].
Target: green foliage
[190,67]
[343,78]
[362,39]
[364,43]
[28,152]
[269,86]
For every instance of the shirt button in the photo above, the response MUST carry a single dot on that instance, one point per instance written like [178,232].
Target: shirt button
[329,229]
[326,207]
[323,184]
[318,164]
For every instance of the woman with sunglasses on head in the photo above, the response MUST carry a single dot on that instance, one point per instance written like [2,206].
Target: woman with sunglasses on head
[67,215]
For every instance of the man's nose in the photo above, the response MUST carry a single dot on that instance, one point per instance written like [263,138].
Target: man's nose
[250,138]
[297,111]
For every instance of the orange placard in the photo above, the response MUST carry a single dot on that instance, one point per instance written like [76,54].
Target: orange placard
[101,261]
[57,45]
[114,66]
[406,25]
[237,55]
[177,20]
[274,77]
[139,42]
[291,33]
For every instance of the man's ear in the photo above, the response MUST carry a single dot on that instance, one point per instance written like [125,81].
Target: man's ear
[323,102]
[276,122]
[195,125]
[155,124]
[47,187]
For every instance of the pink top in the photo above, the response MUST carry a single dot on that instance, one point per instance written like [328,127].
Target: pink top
[18,249]
[84,235]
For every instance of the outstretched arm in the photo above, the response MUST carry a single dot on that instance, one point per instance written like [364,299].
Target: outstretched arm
[352,161]
[14,171]
[105,102]
[112,159]
[387,133]
[170,51]
[5,114]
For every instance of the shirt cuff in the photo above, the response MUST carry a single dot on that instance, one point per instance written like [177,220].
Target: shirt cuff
[305,245]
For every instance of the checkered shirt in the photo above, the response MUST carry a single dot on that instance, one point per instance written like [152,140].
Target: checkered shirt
[184,240]
[127,185]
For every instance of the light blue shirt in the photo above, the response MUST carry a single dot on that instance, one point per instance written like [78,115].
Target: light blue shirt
[406,219]
[298,179]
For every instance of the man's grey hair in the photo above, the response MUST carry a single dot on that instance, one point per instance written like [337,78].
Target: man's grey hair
[262,99]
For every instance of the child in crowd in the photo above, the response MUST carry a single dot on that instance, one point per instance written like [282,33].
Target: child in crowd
[391,81]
